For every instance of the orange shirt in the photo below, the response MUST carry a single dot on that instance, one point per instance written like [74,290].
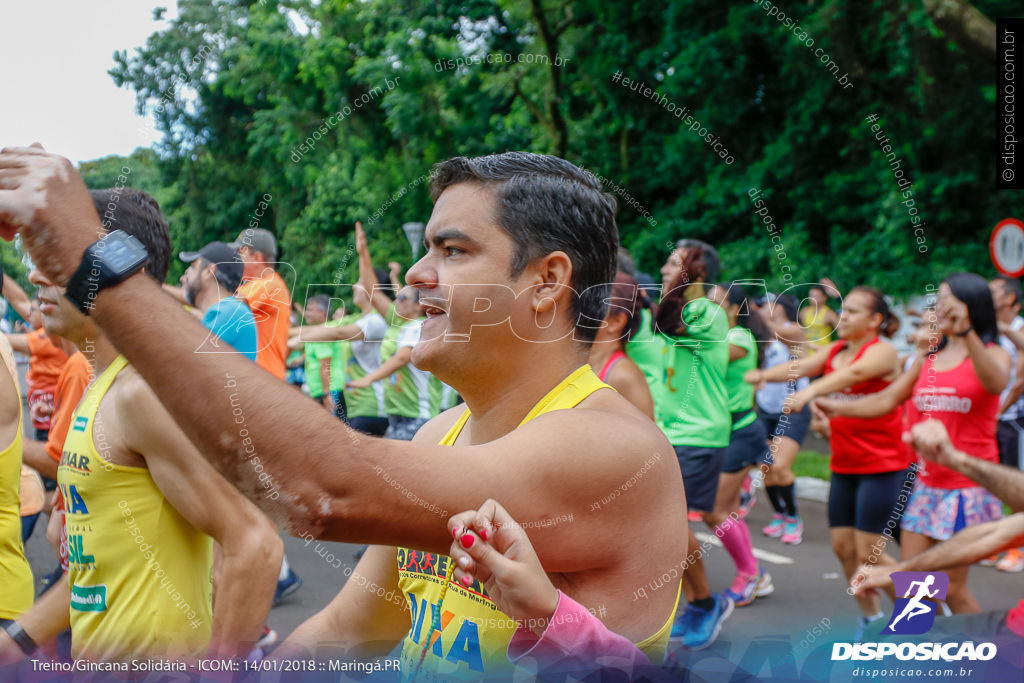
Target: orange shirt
[45,362]
[71,385]
[271,306]
[46,359]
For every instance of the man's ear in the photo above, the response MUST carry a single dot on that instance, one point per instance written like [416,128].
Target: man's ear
[552,275]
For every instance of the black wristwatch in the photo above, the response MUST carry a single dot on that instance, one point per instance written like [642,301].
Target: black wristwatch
[105,262]
[20,638]
[965,332]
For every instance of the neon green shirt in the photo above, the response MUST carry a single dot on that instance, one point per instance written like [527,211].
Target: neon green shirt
[407,392]
[692,404]
[648,356]
[316,352]
[741,394]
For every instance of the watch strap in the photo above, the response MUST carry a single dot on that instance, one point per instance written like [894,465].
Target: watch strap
[21,638]
[965,332]
[83,285]
[93,274]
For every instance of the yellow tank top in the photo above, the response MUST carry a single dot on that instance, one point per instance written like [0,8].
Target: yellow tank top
[474,634]
[819,333]
[140,574]
[16,591]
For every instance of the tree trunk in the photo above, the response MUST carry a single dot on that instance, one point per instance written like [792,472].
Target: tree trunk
[965,25]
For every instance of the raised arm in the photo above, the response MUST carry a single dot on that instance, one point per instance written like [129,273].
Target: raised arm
[19,342]
[329,480]
[992,364]
[965,548]
[784,372]
[878,361]
[931,440]
[367,277]
[325,333]
[1016,389]
[397,361]
[877,404]
[395,274]
[16,297]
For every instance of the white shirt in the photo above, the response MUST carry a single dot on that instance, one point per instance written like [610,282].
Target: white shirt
[1017,409]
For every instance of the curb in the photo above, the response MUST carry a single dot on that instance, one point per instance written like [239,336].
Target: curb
[811,488]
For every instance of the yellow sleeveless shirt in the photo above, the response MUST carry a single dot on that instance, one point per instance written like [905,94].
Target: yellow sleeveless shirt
[140,574]
[16,590]
[474,638]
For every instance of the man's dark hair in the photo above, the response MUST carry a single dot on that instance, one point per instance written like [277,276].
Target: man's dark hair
[228,282]
[547,204]
[1011,285]
[323,301]
[790,306]
[139,215]
[384,282]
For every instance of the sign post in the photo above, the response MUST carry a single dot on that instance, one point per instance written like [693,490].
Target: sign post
[414,233]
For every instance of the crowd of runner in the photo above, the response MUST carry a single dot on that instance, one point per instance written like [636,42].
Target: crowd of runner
[159,473]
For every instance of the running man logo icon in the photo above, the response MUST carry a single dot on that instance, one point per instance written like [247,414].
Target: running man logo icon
[912,615]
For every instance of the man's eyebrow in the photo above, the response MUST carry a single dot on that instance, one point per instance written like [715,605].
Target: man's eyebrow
[446,234]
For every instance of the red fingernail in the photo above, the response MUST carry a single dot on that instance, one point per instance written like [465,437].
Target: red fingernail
[466,580]
[467,541]
[483,534]
[455,532]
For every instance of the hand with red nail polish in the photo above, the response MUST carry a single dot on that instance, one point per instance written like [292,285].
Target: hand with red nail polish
[494,550]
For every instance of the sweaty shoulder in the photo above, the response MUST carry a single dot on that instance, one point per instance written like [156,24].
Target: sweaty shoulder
[605,420]
[130,389]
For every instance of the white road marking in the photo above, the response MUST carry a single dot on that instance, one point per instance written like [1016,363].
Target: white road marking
[764,555]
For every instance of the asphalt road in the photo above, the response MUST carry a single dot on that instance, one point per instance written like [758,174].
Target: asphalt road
[808,584]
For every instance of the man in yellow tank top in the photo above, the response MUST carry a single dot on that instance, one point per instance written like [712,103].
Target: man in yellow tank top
[520,255]
[141,506]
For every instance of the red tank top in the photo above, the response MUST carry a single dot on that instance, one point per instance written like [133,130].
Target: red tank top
[861,446]
[957,399]
[609,364]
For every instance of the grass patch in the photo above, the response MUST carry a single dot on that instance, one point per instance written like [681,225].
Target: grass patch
[812,464]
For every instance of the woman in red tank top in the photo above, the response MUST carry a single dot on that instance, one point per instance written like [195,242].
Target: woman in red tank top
[608,356]
[869,462]
[956,381]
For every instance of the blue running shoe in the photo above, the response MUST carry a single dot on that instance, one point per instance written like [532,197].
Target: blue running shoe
[286,587]
[706,624]
[683,623]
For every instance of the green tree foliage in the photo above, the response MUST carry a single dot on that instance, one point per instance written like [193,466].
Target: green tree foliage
[247,96]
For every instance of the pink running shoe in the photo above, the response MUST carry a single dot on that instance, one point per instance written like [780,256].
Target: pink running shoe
[775,529]
[793,533]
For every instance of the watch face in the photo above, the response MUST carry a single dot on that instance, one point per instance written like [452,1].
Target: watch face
[120,253]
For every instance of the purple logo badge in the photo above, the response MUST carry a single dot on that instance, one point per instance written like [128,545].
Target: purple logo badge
[912,615]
